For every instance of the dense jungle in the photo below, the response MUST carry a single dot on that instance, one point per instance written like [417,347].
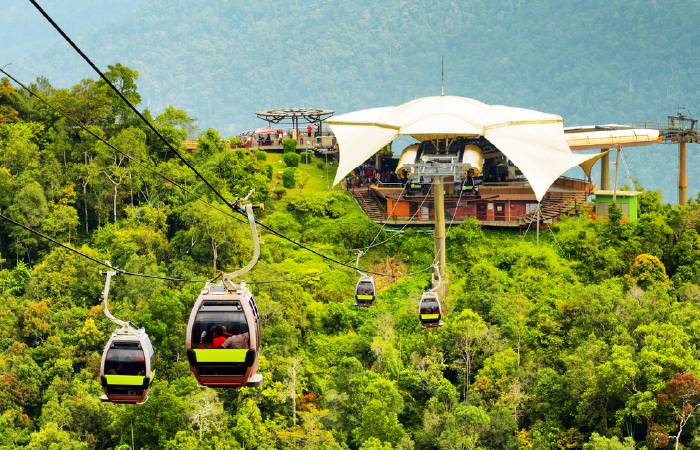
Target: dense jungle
[587,340]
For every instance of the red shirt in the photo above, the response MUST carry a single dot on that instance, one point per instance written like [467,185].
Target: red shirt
[218,342]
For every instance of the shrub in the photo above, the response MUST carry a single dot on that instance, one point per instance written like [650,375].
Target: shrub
[289,145]
[278,192]
[288,180]
[260,155]
[646,270]
[291,159]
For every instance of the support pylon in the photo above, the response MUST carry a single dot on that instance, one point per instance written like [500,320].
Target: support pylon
[682,176]
[617,173]
[605,170]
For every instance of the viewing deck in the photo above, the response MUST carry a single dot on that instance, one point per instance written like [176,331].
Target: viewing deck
[508,204]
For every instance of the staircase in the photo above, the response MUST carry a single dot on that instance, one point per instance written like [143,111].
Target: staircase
[557,203]
[369,204]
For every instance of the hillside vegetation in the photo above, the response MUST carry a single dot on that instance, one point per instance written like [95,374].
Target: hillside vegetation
[589,340]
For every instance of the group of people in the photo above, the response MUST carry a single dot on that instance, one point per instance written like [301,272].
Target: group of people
[223,338]
[277,136]
[367,174]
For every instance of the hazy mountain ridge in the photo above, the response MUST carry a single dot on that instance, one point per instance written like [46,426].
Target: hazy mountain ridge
[591,63]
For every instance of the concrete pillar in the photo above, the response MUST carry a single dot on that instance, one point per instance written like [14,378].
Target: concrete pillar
[605,170]
[682,176]
[440,257]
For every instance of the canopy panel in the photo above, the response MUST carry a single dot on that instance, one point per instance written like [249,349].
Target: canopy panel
[357,143]
[265,131]
[586,138]
[537,151]
[533,140]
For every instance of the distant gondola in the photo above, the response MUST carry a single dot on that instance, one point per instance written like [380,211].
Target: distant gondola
[223,336]
[126,370]
[430,310]
[365,291]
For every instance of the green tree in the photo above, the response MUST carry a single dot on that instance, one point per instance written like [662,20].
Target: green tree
[463,427]
[213,228]
[209,143]
[51,437]
[29,207]
[468,339]
[598,442]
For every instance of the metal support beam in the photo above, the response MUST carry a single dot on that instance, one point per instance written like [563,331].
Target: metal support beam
[605,170]
[440,258]
[682,176]
[539,204]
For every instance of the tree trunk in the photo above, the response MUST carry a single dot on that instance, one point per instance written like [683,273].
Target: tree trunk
[292,370]
[294,398]
[214,253]
[85,183]
[114,203]
[85,207]
[131,189]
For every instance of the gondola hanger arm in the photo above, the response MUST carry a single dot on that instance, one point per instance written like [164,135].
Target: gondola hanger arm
[436,272]
[105,295]
[357,263]
[254,234]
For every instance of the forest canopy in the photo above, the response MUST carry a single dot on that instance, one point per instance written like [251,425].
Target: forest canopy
[587,340]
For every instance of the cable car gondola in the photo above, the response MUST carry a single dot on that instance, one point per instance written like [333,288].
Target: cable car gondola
[223,336]
[126,369]
[365,291]
[430,310]
[223,332]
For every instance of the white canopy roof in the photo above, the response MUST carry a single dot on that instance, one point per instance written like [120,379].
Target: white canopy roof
[533,140]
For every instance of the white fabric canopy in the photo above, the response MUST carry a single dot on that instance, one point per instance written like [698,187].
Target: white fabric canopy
[533,140]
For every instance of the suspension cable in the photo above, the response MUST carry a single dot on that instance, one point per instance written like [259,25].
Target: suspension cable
[169,145]
[156,277]
[110,145]
[400,230]
[452,219]
[396,203]
[128,103]
[109,266]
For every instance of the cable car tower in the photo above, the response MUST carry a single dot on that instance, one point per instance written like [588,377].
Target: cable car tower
[438,161]
[680,129]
